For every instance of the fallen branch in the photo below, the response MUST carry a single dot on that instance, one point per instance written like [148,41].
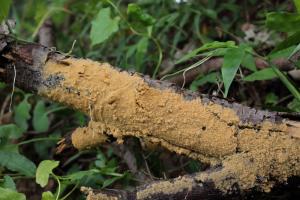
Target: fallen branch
[253,148]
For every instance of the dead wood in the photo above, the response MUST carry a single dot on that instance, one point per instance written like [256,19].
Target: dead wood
[250,148]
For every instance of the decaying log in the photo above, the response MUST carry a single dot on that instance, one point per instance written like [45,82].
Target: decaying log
[250,148]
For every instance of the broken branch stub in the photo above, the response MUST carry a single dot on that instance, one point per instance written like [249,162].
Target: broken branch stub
[255,148]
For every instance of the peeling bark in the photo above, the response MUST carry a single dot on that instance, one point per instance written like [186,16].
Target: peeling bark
[253,148]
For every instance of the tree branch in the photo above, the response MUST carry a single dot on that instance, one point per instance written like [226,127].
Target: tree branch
[254,148]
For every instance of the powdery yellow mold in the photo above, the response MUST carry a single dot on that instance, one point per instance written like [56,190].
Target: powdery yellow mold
[125,105]
[92,196]
[264,157]
[87,137]
[166,187]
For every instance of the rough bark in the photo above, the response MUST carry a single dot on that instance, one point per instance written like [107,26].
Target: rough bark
[252,148]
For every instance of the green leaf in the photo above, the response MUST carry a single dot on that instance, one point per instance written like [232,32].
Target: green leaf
[9,183]
[297,5]
[283,21]
[4,9]
[103,26]
[9,194]
[110,181]
[207,47]
[44,170]
[17,162]
[264,74]
[291,40]
[137,14]
[21,113]
[232,60]
[77,176]
[249,62]
[48,196]
[40,119]
[283,53]
[10,131]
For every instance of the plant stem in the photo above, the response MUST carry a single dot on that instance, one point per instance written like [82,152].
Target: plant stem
[37,140]
[59,186]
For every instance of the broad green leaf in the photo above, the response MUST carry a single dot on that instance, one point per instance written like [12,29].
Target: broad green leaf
[207,47]
[110,181]
[9,183]
[291,40]
[264,74]
[283,21]
[103,26]
[40,119]
[48,196]
[4,9]
[21,113]
[249,62]
[77,176]
[297,5]
[10,131]
[232,61]
[284,53]
[44,170]
[209,78]
[17,162]
[9,194]
[137,14]
[6,146]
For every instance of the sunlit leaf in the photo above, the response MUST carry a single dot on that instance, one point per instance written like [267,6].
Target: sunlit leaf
[44,170]
[103,26]
[232,61]
[264,74]
[48,196]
